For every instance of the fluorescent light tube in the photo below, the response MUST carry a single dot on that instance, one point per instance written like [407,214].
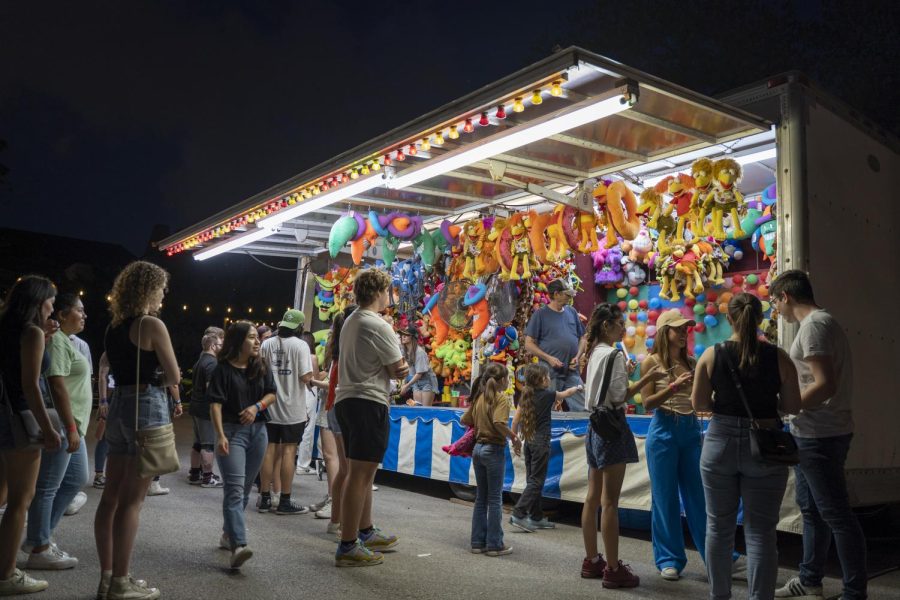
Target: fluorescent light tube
[324,199]
[521,135]
[756,157]
[746,159]
[236,242]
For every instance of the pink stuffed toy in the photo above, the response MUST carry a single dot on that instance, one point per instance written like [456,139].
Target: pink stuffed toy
[463,446]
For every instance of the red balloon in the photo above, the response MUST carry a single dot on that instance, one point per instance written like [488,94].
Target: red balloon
[642,304]
[623,306]
[737,290]
[711,309]
[711,296]
[632,316]
[689,302]
[699,328]
[652,316]
[633,291]
[738,279]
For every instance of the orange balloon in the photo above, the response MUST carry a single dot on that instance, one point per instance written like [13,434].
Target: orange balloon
[723,308]
[629,341]
[725,297]
[641,330]
[763,291]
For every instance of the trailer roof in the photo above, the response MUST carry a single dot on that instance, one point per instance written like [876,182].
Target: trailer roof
[483,149]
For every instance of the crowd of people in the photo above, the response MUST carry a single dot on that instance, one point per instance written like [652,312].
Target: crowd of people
[259,396]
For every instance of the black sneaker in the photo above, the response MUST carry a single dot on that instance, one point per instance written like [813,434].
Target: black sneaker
[264,504]
[291,508]
[195,478]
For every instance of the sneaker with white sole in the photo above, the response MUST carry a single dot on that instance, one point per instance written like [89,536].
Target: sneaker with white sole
[292,507]
[305,471]
[214,481]
[523,523]
[795,589]
[21,583]
[106,579]
[669,574]
[324,512]
[544,523]
[264,504]
[499,551]
[51,559]
[358,556]
[156,489]
[224,542]
[240,555]
[377,540]
[76,504]
[99,481]
[128,588]
[334,528]
[326,501]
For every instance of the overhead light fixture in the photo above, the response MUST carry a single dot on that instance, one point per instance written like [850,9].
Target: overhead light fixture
[337,194]
[756,157]
[510,139]
[236,242]
[745,159]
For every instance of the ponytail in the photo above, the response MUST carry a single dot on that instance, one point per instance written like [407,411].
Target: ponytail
[494,381]
[745,312]
[535,377]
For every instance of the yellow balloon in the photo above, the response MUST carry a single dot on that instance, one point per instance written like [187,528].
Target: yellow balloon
[641,330]
[621,293]
[766,306]
[633,304]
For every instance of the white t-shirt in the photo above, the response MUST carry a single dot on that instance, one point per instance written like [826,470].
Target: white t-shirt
[596,369]
[368,345]
[821,335]
[289,360]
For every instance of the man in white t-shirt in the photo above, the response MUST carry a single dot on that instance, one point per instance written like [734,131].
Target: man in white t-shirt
[370,357]
[288,357]
[823,431]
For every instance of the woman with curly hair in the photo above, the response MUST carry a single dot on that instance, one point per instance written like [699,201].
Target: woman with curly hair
[23,359]
[135,334]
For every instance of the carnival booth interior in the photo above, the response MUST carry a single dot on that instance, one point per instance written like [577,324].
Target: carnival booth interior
[634,190]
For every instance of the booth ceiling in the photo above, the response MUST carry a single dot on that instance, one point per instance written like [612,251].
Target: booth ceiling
[570,117]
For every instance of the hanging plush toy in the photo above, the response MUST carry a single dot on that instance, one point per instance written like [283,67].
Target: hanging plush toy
[660,216]
[423,245]
[680,192]
[712,260]
[344,230]
[587,232]
[702,172]
[473,240]
[537,226]
[559,246]
[521,250]
[724,197]
[619,207]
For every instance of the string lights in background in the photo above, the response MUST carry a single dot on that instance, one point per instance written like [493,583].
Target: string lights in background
[407,149]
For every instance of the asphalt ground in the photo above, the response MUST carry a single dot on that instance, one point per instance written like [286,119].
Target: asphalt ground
[177,551]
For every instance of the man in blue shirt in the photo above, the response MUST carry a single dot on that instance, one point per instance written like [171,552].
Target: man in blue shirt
[555,335]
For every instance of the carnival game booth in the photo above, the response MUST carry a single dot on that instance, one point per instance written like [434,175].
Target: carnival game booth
[638,191]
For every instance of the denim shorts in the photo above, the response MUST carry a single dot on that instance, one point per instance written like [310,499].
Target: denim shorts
[428,383]
[333,424]
[154,411]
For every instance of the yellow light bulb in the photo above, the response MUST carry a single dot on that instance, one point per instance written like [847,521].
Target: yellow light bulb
[426,145]
[556,89]
[365,170]
[376,166]
[438,139]
[354,174]
[316,191]
[453,133]
[518,105]
[536,97]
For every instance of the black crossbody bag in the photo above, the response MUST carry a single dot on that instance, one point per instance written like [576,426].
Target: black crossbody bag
[606,421]
[773,446]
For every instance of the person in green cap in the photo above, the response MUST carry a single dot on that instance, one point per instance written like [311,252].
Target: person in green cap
[288,358]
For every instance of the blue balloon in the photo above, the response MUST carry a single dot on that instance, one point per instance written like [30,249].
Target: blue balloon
[711,321]
[654,303]
[701,298]
[642,317]
[699,349]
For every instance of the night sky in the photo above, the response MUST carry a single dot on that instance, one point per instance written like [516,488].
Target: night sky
[119,115]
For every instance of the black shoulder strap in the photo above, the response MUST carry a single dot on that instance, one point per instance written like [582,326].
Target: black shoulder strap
[607,375]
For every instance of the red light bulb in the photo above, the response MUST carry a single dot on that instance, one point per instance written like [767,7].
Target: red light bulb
[501,112]
[412,150]
[468,127]
[345,178]
[483,121]
[400,156]
[387,160]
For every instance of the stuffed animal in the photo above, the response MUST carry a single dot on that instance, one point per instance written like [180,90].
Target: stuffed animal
[607,266]
[587,232]
[713,260]
[702,172]
[559,246]
[537,226]
[679,189]
[635,272]
[724,198]
[521,251]
[473,239]
[660,216]
[619,207]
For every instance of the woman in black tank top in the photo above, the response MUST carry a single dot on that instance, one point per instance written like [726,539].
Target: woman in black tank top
[135,336]
[26,310]
[730,473]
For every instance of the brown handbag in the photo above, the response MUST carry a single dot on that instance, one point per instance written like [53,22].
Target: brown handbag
[157,454]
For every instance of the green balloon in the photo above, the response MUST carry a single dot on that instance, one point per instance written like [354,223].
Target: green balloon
[699,308]
[752,279]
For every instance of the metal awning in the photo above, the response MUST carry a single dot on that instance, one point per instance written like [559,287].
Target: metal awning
[572,116]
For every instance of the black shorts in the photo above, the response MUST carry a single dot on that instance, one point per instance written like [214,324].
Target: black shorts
[285,434]
[364,428]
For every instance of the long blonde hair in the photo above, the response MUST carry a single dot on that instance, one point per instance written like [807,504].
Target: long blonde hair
[132,288]
[661,350]
[536,375]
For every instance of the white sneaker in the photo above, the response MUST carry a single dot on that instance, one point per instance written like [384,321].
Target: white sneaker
[224,542]
[325,511]
[320,505]
[374,488]
[669,574]
[794,589]
[21,583]
[240,555]
[334,528]
[51,559]
[156,489]
[76,504]
[128,588]
[106,580]
[305,471]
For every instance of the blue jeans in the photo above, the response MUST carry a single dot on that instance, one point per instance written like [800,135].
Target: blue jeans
[489,461]
[246,449]
[731,475]
[564,379]
[673,459]
[822,497]
[60,478]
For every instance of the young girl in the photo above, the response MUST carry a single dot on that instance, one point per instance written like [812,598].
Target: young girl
[489,415]
[241,390]
[607,458]
[532,424]
[421,380]
[673,448]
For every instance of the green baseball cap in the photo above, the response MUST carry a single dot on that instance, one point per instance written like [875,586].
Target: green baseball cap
[292,319]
